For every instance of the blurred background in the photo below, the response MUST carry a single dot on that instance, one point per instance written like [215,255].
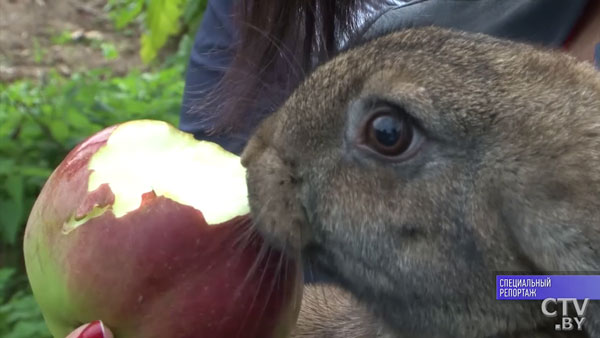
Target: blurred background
[69,68]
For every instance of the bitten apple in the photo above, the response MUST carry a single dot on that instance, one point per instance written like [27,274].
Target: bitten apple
[147,229]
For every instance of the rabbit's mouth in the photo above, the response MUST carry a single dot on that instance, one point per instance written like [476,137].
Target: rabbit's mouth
[274,199]
[278,211]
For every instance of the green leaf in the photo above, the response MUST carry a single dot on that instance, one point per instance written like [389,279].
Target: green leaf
[5,276]
[9,124]
[109,51]
[59,129]
[6,166]
[62,38]
[38,51]
[10,222]
[162,21]
[14,187]
[77,120]
[193,10]
[33,171]
[12,209]
[21,317]
[124,12]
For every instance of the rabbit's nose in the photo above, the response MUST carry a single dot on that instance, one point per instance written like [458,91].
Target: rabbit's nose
[262,139]
[255,146]
[273,195]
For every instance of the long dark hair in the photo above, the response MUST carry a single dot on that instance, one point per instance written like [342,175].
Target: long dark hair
[280,41]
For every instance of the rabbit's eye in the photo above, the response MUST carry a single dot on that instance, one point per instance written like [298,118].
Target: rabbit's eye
[389,134]
[384,131]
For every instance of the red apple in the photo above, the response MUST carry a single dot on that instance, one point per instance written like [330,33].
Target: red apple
[147,229]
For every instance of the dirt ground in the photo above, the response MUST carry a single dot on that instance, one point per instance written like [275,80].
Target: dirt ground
[66,35]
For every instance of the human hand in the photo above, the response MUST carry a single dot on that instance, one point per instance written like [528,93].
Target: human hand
[95,329]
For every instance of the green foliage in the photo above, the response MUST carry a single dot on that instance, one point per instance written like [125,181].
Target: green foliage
[40,123]
[20,316]
[38,51]
[162,20]
[109,51]
[62,38]
[123,12]
[192,15]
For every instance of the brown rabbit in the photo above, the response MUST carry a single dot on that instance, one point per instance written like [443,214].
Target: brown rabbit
[416,167]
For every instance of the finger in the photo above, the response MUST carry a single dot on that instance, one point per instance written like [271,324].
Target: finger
[95,329]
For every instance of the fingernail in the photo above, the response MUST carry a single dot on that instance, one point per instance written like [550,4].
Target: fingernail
[94,330]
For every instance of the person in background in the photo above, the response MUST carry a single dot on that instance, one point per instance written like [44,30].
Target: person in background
[249,55]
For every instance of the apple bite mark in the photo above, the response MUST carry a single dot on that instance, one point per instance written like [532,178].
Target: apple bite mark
[94,204]
[154,157]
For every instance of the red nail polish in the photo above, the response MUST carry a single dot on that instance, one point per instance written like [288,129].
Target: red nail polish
[94,330]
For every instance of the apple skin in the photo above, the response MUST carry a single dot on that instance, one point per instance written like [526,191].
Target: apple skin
[158,271]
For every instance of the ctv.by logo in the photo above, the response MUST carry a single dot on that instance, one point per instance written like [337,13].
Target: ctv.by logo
[567,323]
